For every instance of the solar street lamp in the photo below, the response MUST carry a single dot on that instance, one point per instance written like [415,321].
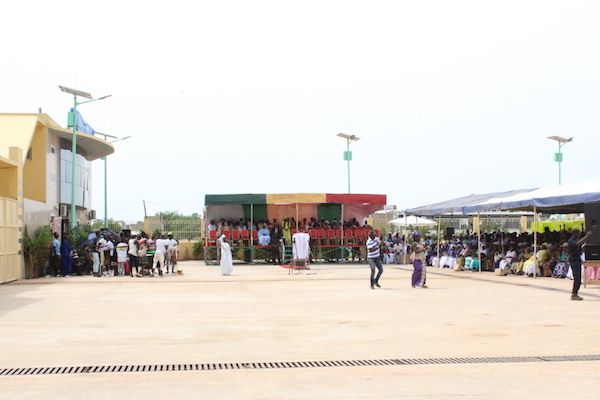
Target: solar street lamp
[558,156]
[76,93]
[348,153]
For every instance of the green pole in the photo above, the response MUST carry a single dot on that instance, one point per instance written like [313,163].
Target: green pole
[73,164]
[348,156]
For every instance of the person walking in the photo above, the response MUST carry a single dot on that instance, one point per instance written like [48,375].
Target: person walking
[374,259]
[226,257]
[418,261]
[574,246]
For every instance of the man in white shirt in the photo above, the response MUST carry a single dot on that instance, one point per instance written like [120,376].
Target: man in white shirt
[159,255]
[172,248]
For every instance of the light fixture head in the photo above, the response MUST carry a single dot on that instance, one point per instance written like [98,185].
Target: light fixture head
[560,139]
[349,137]
[75,92]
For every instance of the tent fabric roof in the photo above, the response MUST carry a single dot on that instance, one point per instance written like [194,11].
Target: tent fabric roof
[458,205]
[562,199]
[292,198]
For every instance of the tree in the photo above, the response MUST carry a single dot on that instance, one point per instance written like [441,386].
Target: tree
[37,249]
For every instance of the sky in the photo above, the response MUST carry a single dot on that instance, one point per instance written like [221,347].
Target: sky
[449,98]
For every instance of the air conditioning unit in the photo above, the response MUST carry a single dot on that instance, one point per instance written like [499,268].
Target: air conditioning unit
[63,211]
[92,214]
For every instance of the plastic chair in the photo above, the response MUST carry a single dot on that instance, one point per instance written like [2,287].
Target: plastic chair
[245,237]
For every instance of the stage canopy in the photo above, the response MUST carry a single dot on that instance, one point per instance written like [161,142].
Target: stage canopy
[562,199]
[458,205]
[297,205]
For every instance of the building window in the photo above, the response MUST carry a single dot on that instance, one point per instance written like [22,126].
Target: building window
[52,177]
[52,151]
[29,155]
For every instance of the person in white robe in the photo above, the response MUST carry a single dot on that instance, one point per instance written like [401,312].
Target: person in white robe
[264,236]
[226,257]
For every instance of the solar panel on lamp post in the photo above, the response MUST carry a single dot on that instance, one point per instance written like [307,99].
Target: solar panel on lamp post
[87,95]
[348,153]
[558,156]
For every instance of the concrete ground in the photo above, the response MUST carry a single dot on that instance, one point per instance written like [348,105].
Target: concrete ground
[429,337]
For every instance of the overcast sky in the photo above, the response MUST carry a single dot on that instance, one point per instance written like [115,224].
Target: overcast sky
[449,98]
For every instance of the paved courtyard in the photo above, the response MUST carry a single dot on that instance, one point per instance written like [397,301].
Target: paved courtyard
[321,334]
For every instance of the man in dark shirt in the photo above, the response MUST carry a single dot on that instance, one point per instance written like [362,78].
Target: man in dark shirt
[574,246]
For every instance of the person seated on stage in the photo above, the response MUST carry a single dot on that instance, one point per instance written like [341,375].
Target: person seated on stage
[264,236]
[212,226]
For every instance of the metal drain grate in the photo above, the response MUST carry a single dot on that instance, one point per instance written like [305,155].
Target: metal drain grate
[282,365]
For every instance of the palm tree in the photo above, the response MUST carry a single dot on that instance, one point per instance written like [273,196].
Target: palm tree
[36,248]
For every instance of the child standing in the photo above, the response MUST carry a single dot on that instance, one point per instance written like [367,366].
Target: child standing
[122,248]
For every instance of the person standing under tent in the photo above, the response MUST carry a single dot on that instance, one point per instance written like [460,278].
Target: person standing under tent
[226,257]
[55,255]
[374,258]
[574,246]
[66,259]
[172,248]
[418,261]
[275,244]
[286,228]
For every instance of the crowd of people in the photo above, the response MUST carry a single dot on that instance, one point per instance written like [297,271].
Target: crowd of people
[110,254]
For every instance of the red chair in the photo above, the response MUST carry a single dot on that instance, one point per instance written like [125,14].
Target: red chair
[212,238]
[245,237]
[254,238]
[330,236]
[235,237]
[227,234]
[294,231]
[377,233]
[321,233]
[359,234]
[314,235]
[349,237]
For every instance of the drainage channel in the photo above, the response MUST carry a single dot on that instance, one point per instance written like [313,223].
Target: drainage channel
[283,365]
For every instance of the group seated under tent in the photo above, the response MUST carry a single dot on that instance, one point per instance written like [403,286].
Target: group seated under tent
[336,224]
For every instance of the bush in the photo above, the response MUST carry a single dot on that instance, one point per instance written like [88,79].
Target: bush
[37,250]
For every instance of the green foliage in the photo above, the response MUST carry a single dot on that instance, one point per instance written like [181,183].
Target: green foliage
[77,236]
[198,251]
[37,249]
[489,226]
[112,225]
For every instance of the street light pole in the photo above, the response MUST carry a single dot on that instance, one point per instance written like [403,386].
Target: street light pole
[75,93]
[348,153]
[106,176]
[558,156]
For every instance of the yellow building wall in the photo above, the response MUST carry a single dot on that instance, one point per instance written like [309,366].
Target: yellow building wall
[9,176]
[34,171]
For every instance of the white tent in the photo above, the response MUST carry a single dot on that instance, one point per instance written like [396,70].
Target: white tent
[412,220]
[553,199]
